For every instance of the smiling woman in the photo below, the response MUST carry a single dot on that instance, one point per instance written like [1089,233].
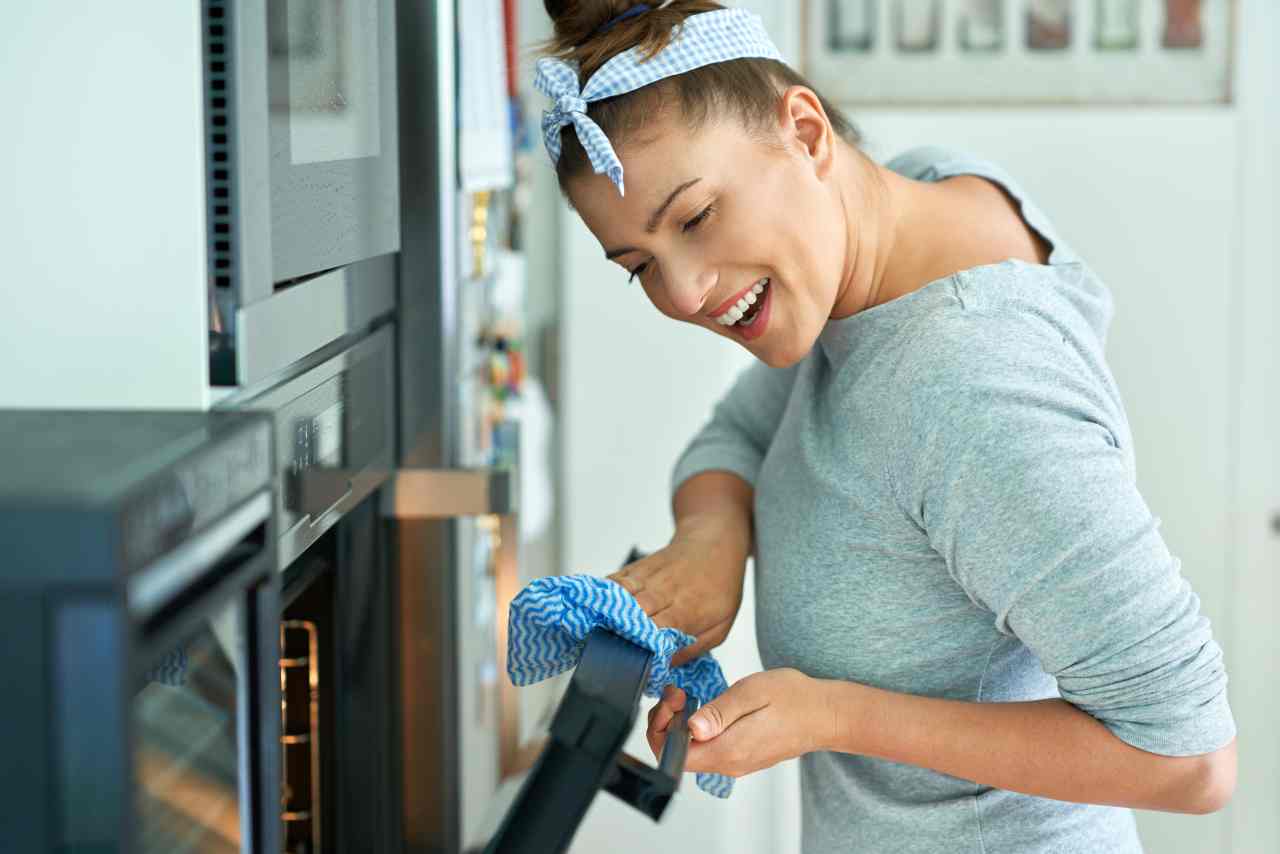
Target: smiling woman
[976,638]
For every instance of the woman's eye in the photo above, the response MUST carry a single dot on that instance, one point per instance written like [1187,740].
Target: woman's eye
[637,271]
[697,220]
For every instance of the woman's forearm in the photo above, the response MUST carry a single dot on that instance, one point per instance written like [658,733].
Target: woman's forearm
[716,503]
[1046,748]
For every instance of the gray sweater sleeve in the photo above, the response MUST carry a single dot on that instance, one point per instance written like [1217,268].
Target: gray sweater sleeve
[1010,461]
[741,426]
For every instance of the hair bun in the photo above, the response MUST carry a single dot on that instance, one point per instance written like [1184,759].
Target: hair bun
[577,20]
[577,28]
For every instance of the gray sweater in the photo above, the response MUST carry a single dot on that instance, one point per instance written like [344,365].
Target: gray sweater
[945,505]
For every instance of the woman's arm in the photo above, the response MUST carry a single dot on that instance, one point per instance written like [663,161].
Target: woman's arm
[718,502]
[1046,748]
[1013,463]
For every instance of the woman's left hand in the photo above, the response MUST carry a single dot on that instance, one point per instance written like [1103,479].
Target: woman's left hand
[758,722]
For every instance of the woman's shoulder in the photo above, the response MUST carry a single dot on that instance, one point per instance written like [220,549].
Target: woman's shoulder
[990,337]
[919,161]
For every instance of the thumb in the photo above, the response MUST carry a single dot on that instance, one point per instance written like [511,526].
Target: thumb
[717,715]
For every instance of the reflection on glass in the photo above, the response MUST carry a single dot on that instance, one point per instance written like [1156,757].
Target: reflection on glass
[981,25]
[1182,24]
[186,760]
[1048,24]
[917,22]
[851,24]
[1117,24]
[328,51]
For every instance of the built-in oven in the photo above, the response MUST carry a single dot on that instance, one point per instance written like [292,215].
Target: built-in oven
[302,173]
[138,623]
[332,419]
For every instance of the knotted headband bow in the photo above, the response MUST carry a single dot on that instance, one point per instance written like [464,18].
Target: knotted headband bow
[700,40]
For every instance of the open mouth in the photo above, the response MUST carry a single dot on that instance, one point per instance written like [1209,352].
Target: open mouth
[744,311]
[749,315]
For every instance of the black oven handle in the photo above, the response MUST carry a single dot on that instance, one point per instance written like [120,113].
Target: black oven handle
[645,788]
[584,752]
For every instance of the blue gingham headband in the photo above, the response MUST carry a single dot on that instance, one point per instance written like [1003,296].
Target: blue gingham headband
[700,40]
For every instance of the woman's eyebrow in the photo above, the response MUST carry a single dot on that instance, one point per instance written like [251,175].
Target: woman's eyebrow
[652,225]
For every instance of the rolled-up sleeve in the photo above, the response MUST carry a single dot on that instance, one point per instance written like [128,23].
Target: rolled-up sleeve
[737,435]
[1010,460]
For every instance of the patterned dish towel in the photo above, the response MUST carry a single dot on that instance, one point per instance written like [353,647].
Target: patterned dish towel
[548,626]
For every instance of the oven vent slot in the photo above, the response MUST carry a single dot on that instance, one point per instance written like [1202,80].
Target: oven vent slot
[219,131]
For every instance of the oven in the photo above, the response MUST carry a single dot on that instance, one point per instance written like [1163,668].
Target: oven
[138,615]
[302,171]
[332,419]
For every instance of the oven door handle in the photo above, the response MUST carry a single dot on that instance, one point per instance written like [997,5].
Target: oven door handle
[584,751]
[322,490]
[448,493]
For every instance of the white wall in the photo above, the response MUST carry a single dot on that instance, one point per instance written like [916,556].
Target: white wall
[1175,208]
[103,151]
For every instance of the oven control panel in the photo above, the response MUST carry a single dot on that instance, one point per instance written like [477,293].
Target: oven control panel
[335,438]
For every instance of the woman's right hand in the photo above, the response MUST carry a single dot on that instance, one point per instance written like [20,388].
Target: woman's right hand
[694,584]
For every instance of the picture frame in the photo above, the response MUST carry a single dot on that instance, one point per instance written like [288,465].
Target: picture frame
[949,52]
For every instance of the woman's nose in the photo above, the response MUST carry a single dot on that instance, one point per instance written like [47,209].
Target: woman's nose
[689,289]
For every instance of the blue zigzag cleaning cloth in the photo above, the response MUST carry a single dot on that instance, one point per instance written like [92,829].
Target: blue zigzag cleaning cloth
[548,626]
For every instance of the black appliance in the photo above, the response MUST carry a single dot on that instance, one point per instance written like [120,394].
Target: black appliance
[138,632]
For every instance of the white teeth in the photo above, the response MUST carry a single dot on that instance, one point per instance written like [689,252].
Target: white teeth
[734,314]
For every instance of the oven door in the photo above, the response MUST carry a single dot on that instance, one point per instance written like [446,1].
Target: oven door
[189,725]
[332,106]
[166,720]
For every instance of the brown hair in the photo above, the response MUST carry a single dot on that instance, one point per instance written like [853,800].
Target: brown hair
[750,87]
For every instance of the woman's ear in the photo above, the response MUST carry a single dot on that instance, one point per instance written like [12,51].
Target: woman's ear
[806,128]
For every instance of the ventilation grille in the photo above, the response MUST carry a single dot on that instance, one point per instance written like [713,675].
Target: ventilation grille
[220,157]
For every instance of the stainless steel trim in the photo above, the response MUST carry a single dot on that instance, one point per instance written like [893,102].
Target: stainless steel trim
[276,332]
[445,493]
[150,588]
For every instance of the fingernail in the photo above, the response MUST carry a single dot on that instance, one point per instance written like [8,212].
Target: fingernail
[698,726]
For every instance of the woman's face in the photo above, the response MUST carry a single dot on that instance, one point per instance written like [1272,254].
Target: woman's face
[715,213]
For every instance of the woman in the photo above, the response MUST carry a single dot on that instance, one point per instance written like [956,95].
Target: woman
[975,638]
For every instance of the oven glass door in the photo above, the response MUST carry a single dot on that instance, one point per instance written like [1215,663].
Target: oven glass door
[188,725]
[334,164]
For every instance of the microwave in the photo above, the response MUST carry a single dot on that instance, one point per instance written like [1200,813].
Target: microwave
[302,177]
[238,214]
[139,618]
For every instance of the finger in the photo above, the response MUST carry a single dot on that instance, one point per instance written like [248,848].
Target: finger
[661,715]
[705,641]
[719,714]
[637,572]
[652,602]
